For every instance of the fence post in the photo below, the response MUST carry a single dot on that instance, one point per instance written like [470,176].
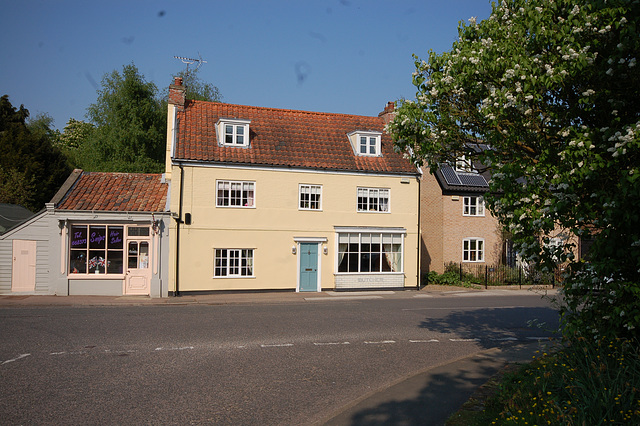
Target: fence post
[486,276]
[520,276]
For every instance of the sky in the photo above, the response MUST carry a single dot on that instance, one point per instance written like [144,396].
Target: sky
[340,56]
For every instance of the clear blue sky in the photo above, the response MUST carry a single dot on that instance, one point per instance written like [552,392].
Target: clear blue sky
[344,56]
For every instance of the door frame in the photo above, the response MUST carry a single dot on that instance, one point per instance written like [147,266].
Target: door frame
[321,243]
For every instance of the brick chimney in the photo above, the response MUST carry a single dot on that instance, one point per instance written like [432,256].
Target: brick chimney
[177,93]
[388,113]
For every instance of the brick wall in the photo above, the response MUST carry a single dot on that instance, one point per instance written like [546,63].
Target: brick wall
[444,228]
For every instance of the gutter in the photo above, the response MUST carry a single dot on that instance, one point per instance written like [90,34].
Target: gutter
[178,222]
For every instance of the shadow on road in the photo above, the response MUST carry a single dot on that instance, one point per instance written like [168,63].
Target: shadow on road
[429,398]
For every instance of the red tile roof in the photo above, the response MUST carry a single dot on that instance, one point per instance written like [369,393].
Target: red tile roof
[120,192]
[285,138]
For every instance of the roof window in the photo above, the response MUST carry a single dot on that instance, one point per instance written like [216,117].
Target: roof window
[366,143]
[233,132]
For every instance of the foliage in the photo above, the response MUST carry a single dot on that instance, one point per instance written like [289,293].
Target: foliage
[31,168]
[581,384]
[544,94]
[75,134]
[198,90]
[130,126]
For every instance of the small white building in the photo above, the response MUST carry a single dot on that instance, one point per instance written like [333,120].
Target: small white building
[102,234]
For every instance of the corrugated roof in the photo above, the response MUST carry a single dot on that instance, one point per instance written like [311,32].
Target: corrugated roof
[118,192]
[285,138]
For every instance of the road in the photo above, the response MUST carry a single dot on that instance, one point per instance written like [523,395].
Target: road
[291,363]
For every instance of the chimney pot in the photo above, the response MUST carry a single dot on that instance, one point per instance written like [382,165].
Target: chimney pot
[178,81]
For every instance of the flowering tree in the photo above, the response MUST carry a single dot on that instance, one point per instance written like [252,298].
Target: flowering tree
[546,94]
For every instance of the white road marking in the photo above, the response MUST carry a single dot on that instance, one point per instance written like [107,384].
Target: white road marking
[465,340]
[174,349]
[330,343]
[383,342]
[537,338]
[15,359]
[425,341]
[314,299]
[504,339]
[281,345]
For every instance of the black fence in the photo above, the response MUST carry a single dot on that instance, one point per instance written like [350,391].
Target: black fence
[496,275]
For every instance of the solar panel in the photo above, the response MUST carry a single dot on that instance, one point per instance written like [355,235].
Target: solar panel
[473,180]
[450,175]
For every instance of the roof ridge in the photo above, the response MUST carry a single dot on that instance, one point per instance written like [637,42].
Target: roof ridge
[286,109]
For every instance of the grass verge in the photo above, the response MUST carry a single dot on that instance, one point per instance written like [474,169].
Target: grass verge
[582,383]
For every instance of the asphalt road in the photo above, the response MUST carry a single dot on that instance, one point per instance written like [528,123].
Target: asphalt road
[287,364]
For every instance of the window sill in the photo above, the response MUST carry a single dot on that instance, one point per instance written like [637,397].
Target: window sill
[368,273]
[96,276]
[234,277]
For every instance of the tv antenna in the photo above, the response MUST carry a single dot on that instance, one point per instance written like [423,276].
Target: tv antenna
[191,61]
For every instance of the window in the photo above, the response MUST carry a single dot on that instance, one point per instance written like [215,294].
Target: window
[473,250]
[233,132]
[373,200]
[472,206]
[235,194]
[96,249]
[366,143]
[233,263]
[310,197]
[369,252]
[464,165]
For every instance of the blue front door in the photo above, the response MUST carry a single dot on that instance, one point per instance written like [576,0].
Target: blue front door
[308,266]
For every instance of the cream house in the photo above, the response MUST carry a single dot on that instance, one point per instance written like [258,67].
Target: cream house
[277,199]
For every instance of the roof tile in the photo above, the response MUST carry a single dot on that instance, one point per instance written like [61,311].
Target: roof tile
[287,138]
[124,192]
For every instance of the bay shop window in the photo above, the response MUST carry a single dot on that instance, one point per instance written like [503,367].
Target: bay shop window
[103,249]
[370,253]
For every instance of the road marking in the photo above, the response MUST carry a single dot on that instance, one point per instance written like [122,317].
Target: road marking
[313,299]
[425,341]
[423,295]
[504,339]
[174,349]
[15,359]
[383,342]
[538,338]
[281,345]
[330,343]
[465,340]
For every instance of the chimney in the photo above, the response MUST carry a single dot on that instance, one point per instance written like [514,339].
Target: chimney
[388,113]
[177,93]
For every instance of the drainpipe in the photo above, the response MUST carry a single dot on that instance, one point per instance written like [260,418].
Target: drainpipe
[419,235]
[178,222]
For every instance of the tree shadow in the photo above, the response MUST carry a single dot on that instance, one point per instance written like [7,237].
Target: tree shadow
[431,397]
[490,326]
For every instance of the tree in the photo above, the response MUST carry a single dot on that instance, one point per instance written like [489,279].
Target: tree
[130,125]
[197,89]
[31,168]
[75,134]
[546,94]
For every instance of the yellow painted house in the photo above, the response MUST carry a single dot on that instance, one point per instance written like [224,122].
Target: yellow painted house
[277,199]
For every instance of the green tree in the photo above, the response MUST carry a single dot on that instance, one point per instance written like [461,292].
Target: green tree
[130,125]
[31,168]
[197,89]
[75,134]
[546,94]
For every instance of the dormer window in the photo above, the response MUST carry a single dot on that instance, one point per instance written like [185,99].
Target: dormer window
[233,132]
[464,165]
[366,143]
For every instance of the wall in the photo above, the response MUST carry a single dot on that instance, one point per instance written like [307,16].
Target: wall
[444,227]
[273,225]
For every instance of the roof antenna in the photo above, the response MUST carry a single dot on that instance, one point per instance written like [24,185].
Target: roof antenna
[191,61]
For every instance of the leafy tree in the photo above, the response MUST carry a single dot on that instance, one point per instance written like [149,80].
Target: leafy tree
[130,125]
[75,134]
[197,89]
[546,94]
[31,168]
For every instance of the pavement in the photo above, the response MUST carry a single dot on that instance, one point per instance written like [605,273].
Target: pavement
[426,398]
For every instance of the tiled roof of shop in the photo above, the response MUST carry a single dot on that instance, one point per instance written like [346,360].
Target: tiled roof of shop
[118,192]
[284,138]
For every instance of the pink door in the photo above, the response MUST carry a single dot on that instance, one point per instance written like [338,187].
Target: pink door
[23,271]
[138,278]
